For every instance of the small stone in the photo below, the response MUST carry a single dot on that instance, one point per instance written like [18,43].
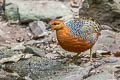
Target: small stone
[34,50]
[117,74]
[13,58]
[30,35]
[102,76]
[75,3]
[48,49]
[57,49]
[38,45]
[41,46]
[54,52]
[38,29]
[51,56]
[20,39]
[60,52]
[110,59]
[101,51]
[18,47]
[27,56]
[54,39]
[53,45]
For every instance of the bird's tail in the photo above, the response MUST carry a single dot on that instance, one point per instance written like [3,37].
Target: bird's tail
[105,27]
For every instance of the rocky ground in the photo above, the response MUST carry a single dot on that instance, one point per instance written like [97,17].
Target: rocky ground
[29,52]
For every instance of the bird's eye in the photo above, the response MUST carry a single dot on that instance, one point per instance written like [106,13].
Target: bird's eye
[55,23]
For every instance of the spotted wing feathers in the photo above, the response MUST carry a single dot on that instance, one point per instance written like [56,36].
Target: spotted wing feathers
[84,27]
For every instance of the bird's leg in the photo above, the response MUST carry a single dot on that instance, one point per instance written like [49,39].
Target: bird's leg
[91,60]
[75,58]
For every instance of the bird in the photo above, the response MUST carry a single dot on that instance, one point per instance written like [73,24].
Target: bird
[76,35]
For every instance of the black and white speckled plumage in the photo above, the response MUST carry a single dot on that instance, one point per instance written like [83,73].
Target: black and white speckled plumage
[85,28]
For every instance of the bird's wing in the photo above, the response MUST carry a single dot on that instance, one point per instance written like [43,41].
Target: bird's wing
[84,27]
[92,37]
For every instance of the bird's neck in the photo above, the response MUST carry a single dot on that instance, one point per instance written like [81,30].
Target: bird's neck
[62,35]
[65,30]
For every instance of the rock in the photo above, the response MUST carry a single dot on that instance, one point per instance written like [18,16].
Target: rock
[40,68]
[9,76]
[115,63]
[29,10]
[1,3]
[108,41]
[110,60]
[53,45]
[18,47]
[13,34]
[76,75]
[12,10]
[52,55]
[0,66]
[117,74]
[102,76]
[5,51]
[34,51]
[38,29]
[101,53]
[105,11]
[14,58]
[20,39]
[117,54]
[12,53]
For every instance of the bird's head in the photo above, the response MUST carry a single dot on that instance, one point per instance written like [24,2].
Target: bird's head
[55,24]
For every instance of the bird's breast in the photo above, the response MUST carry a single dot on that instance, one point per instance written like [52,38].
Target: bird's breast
[72,43]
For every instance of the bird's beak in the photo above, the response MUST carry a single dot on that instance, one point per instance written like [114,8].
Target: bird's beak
[48,27]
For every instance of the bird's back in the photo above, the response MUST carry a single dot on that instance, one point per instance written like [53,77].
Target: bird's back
[83,26]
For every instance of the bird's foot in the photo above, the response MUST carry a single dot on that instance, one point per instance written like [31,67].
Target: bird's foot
[67,60]
[91,60]
[74,60]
